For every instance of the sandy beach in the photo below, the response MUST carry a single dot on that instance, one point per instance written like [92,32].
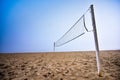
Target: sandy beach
[59,66]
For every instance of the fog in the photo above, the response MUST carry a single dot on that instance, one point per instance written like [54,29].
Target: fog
[34,25]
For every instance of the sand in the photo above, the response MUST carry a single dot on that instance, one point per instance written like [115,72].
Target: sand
[59,66]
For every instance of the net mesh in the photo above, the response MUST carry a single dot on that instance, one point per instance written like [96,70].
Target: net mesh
[78,29]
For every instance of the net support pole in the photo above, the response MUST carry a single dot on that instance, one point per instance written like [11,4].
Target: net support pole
[54,46]
[96,40]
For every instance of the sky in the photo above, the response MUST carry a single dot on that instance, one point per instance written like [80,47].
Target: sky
[34,25]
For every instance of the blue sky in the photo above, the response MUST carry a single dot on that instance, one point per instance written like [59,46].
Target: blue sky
[33,25]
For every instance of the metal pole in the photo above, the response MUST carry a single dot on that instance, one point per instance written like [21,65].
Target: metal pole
[96,40]
[54,46]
